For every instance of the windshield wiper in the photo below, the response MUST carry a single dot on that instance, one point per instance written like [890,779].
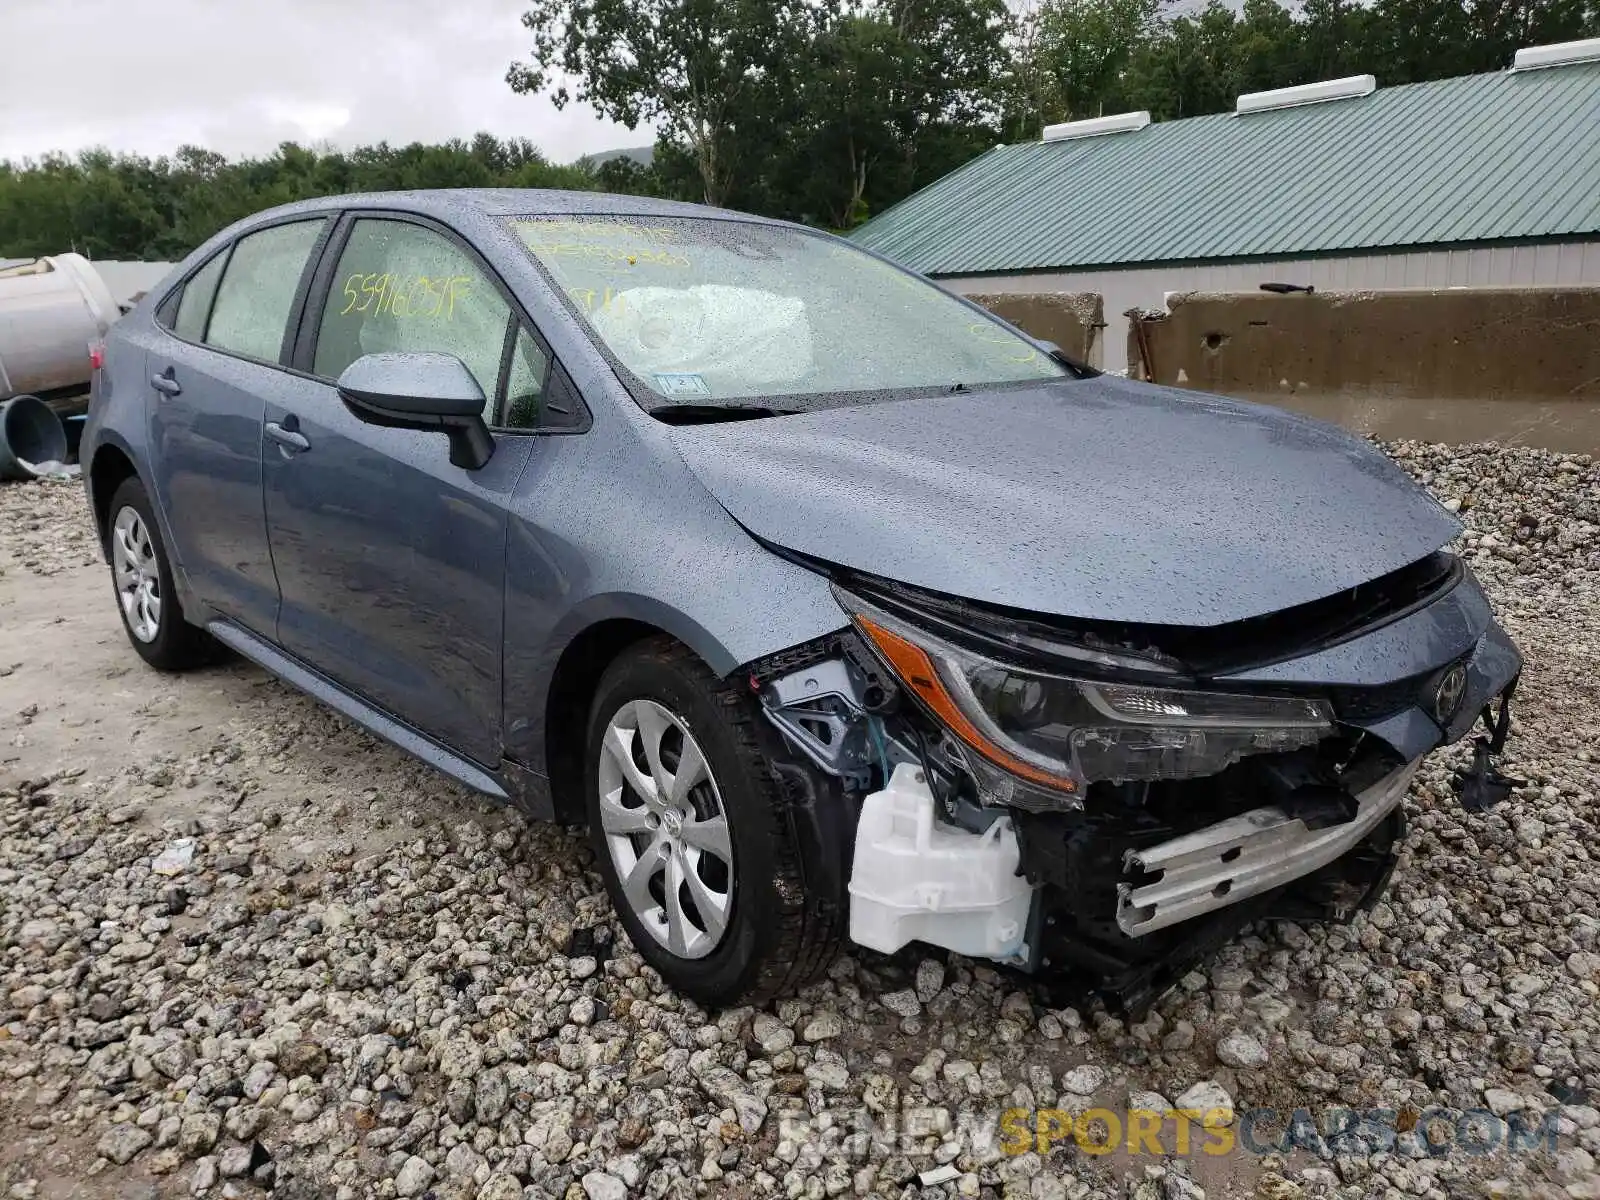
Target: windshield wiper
[701,414]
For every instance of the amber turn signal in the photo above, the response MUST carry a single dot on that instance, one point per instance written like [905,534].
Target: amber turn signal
[916,670]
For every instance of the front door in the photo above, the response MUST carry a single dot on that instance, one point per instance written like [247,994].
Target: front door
[390,561]
[209,372]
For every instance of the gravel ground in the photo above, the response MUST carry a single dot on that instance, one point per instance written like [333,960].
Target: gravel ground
[243,945]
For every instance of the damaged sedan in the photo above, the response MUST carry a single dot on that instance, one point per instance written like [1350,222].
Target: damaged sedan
[832,605]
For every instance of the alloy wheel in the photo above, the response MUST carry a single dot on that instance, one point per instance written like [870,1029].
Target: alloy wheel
[666,828]
[137,575]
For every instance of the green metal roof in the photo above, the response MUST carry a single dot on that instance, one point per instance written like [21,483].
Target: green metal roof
[1481,158]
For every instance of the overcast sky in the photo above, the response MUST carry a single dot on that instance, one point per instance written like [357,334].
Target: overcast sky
[240,76]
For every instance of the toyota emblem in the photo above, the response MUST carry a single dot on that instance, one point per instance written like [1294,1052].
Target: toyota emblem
[1447,697]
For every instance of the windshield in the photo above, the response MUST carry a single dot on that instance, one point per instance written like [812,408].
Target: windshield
[706,311]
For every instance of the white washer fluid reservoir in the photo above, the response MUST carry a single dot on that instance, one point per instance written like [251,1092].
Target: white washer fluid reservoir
[915,878]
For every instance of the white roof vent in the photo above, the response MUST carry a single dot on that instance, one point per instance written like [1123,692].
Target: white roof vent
[1096,127]
[1306,93]
[1560,54]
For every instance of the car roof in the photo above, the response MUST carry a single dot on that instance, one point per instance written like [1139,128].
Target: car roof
[498,202]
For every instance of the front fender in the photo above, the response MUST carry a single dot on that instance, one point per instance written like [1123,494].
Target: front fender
[763,605]
[713,648]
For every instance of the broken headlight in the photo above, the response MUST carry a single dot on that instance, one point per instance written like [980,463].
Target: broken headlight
[1024,732]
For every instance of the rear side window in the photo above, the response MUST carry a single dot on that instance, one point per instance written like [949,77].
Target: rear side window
[403,288]
[194,306]
[258,289]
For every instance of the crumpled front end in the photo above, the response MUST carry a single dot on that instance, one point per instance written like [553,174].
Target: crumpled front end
[1139,793]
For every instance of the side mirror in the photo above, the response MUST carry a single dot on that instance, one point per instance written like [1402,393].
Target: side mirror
[421,391]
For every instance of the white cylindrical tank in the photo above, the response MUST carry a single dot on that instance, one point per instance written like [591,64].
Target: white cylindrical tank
[51,309]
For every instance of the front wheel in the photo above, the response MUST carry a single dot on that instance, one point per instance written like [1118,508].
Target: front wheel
[141,573]
[694,839]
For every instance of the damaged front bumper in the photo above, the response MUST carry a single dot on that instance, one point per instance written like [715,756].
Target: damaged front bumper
[1042,895]
[1130,899]
[1243,856]
[1125,884]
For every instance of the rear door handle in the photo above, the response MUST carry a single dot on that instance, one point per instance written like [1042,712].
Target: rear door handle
[288,438]
[166,383]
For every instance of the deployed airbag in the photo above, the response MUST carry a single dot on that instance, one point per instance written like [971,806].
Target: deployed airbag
[735,340]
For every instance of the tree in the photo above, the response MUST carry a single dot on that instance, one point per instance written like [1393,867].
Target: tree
[628,176]
[1336,39]
[124,206]
[1268,46]
[889,94]
[858,74]
[695,67]
[1407,41]
[823,111]
[954,107]
[1027,91]
[1084,47]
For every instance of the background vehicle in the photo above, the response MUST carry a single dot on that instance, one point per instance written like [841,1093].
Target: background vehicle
[723,537]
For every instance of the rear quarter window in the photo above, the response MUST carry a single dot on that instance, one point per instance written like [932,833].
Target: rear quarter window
[194,302]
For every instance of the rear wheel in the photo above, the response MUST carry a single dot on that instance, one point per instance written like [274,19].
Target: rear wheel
[141,575]
[694,838]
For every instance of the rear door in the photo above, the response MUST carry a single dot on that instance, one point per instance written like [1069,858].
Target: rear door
[391,561]
[209,377]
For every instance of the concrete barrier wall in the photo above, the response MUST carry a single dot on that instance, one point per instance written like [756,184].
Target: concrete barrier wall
[1072,320]
[1516,365]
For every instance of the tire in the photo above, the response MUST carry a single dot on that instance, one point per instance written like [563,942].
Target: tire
[141,581]
[786,903]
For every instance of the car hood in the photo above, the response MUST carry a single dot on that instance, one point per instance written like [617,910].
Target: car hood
[1100,499]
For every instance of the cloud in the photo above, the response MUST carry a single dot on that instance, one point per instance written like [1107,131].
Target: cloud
[240,76]
[313,122]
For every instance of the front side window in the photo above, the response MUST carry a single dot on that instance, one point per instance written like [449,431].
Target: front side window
[704,310]
[258,289]
[402,288]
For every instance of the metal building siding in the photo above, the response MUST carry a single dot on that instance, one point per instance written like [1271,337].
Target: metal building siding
[1482,158]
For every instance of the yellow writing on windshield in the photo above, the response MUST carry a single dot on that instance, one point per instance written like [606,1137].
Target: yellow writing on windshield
[598,230]
[429,297]
[607,254]
[614,244]
[1008,347]
[590,300]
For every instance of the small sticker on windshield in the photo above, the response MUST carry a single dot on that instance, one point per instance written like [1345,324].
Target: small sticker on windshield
[675,384]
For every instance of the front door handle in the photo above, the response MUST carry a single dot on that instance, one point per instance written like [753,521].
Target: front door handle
[166,383]
[291,441]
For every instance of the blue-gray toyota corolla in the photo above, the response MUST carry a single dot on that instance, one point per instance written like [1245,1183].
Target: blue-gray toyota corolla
[832,605]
